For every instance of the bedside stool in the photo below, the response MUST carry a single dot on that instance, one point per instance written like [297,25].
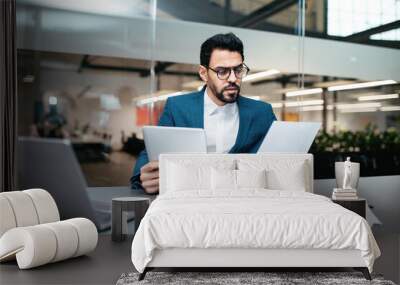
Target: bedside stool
[120,207]
[358,206]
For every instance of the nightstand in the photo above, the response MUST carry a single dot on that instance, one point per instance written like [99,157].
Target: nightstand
[358,206]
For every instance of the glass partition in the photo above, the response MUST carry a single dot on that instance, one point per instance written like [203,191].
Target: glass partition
[357,87]
[81,66]
[275,61]
[98,71]
[372,22]
[95,72]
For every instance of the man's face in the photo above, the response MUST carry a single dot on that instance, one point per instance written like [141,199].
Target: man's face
[225,90]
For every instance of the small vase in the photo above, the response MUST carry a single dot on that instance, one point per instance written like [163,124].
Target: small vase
[339,174]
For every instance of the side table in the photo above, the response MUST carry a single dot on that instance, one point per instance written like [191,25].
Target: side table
[358,206]
[120,207]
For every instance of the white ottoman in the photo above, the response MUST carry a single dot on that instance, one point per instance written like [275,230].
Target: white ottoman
[31,232]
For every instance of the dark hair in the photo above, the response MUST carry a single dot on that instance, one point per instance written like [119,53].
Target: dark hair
[220,41]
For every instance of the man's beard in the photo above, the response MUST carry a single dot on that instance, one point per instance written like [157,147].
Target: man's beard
[229,97]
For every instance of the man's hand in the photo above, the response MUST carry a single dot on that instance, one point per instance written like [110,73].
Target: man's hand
[149,177]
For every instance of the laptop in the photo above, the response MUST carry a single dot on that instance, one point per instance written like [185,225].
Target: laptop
[51,164]
[289,137]
[173,140]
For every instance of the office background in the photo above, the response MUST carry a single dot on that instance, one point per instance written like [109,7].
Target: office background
[96,72]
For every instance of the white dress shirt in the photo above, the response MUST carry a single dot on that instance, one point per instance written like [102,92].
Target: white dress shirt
[221,124]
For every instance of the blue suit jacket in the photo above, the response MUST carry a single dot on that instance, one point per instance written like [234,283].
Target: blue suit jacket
[255,119]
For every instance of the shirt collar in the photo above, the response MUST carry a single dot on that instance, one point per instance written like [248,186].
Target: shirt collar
[210,108]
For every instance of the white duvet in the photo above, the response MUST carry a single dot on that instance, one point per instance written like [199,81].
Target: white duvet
[250,219]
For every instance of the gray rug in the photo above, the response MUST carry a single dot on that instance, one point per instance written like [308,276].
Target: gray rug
[243,278]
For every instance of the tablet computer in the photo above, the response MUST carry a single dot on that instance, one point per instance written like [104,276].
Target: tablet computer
[289,137]
[173,140]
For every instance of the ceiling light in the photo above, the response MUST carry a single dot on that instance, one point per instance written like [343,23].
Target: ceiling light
[326,84]
[110,102]
[390,108]
[304,92]
[29,78]
[364,110]
[252,97]
[260,75]
[158,98]
[378,97]
[312,108]
[304,103]
[193,85]
[164,97]
[277,105]
[146,101]
[316,108]
[357,106]
[53,100]
[361,85]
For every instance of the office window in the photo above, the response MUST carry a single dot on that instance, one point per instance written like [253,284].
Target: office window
[346,17]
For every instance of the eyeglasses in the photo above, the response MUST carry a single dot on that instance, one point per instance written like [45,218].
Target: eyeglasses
[223,73]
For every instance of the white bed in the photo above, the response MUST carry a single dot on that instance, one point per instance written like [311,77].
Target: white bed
[244,210]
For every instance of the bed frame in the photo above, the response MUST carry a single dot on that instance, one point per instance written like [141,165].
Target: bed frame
[242,259]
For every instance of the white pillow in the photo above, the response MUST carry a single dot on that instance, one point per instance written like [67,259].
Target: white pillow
[293,179]
[193,175]
[224,179]
[251,178]
[183,178]
[281,174]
